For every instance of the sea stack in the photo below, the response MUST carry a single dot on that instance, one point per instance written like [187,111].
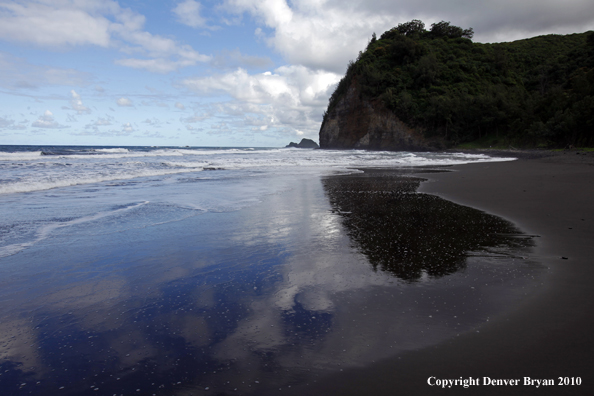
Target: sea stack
[304,143]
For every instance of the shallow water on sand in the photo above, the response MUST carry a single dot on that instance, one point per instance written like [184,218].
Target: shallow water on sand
[151,297]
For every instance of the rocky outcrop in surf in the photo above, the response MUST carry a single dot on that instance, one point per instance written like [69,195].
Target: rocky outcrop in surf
[304,143]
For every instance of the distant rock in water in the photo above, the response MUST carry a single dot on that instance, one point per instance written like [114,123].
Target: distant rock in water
[304,143]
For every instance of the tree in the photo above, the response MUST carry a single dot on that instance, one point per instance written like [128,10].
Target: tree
[468,33]
[411,28]
[445,29]
[405,50]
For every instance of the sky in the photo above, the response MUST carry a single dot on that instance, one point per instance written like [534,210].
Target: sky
[239,73]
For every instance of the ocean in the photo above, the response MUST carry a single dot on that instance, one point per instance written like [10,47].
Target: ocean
[188,270]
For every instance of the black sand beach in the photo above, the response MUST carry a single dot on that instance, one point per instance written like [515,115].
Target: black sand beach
[550,334]
[342,284]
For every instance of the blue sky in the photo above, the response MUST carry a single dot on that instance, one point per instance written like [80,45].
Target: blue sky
[211,73]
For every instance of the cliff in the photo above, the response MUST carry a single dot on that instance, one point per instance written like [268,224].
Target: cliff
[357,123]
[418,89]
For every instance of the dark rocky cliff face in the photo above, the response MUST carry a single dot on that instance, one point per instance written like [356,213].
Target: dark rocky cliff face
[356,123]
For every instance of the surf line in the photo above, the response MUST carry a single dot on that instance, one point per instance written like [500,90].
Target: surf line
[45,231]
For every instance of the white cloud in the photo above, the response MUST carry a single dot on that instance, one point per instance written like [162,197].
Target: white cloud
[153,122]
[316,34]
[296,84]
[47,121]
[100,122]
[127,127]
[195,118]
[95,128]
[188,13]
[103,23]
[154,135]
[4,123]
[124,102]
[234,59]
[152,65]
[76,104]
[165,55]
[18,73]
[180,106]
[56,23]
[292,98]
[7,124]
[193,129]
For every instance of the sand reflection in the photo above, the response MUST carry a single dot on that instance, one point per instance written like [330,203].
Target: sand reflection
[414,235]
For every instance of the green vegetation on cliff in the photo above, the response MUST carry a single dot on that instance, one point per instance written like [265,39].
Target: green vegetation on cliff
[538,91]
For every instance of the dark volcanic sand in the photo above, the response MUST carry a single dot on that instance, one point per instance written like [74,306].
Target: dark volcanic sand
[310,281]
[547,336]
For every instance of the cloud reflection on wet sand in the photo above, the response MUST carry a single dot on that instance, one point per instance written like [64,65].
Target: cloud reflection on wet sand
[258,299]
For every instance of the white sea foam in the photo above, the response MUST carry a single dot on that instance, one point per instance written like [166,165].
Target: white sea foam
[112,150]
[197,165]
[48,183]
[20,156]
[29,171]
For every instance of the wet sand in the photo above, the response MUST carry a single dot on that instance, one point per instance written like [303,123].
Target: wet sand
[547,336]
[332,274]
[336,272]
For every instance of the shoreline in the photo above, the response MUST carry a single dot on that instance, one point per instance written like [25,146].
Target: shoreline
[548,335]
[566,156]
